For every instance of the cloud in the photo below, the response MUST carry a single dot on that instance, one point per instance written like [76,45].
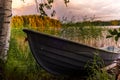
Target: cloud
[25,11]
[102,9]
[22,3]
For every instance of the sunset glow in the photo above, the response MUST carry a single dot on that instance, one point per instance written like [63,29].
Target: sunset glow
[103,9]
[20,3]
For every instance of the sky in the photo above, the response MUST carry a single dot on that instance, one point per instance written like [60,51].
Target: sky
[76,9]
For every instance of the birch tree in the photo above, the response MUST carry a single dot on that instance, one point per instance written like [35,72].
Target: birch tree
[5,15]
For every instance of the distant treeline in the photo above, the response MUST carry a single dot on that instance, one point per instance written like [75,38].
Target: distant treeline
[95,23]
[106,23]
[34,21]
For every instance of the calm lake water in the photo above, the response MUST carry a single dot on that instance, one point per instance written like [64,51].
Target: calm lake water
[112,27]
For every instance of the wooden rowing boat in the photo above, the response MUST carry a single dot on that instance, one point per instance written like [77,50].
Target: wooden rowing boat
[60,56]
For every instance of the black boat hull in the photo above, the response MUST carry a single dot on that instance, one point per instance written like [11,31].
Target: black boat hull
[64,57]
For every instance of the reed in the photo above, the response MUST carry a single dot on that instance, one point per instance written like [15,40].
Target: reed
[88,35]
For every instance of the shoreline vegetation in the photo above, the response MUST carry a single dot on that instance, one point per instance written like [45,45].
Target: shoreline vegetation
[97,30]
[21,65]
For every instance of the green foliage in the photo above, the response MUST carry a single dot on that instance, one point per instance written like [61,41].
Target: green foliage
[95,70]
[66,2]
[20,64]
[42,12]
[80,31]
[42,24]
[48,5]
[101,23]
[114,33]
[20,61]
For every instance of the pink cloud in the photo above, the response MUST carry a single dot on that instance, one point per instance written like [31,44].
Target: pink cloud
[102,9]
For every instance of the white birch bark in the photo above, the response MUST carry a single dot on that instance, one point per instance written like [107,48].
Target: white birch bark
[5,16]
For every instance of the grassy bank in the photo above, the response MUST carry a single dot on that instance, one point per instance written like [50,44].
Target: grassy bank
[21,65]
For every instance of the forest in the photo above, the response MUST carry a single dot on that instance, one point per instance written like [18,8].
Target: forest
[36,21]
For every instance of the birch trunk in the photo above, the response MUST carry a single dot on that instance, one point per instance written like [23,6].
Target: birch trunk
[5,16]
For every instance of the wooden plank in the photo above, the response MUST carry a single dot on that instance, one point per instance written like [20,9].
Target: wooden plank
[109,66]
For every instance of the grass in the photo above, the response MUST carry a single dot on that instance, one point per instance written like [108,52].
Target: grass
[21,65]
[20,61]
